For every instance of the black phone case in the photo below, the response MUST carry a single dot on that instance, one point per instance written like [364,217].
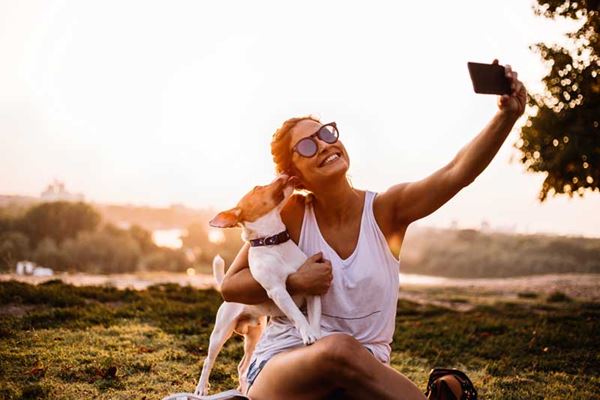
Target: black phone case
[489,78]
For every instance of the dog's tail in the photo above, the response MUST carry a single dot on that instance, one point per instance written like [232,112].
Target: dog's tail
[218,269]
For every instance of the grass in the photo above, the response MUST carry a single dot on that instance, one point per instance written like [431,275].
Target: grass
[62,342]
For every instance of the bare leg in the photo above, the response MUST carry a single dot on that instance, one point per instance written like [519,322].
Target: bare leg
[336,363]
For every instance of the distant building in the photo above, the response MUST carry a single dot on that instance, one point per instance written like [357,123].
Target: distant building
[56,192]
[485,226]
[25,267]
[30,268]
[42,271]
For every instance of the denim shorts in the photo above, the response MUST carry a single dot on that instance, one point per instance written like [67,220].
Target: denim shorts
[254,370]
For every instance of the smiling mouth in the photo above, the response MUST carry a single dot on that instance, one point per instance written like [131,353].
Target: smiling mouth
[330,159]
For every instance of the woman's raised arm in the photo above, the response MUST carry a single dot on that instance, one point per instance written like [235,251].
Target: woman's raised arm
[408,202]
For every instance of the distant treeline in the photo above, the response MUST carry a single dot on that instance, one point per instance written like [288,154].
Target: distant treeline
[75,237]
[469,253]
[81,237]
[174,216]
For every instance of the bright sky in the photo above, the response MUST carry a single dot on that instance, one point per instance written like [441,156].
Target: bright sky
[175,102]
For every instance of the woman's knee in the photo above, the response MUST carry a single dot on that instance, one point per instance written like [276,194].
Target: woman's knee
[340,355]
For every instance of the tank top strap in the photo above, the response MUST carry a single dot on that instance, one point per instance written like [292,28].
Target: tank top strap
[307,223]
[369,196]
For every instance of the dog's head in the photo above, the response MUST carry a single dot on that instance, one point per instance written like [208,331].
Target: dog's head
[257,203]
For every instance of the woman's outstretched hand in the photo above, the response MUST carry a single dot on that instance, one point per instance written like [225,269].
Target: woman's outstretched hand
[515,102]
[313,277]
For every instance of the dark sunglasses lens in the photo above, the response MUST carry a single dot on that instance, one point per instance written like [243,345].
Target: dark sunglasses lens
[328,134]
[306,147]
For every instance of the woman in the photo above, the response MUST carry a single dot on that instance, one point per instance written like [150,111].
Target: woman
[348,231]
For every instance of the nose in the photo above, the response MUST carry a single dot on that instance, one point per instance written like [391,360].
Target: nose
[281,177]
[321,147]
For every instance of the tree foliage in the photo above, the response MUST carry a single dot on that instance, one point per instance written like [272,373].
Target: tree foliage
[469,253]
[562,136]
[48,254]
[14,246]
[143,238]
[195,236]
[59,221]
[102,252]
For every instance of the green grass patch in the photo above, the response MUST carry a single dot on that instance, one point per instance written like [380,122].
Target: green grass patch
[527,295]
[557,297]
[61,342]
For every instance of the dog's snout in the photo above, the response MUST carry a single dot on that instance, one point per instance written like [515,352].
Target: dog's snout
[282,178]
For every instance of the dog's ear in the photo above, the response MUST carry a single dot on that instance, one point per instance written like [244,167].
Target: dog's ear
[227,219]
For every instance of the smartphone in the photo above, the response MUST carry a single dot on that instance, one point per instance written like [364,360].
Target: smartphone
[489,78]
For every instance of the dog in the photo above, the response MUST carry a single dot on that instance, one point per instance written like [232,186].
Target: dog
[272,257]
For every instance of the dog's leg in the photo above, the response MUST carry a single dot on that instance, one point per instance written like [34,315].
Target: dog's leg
[286,304]
[250,340]
[224,325]
[313,306]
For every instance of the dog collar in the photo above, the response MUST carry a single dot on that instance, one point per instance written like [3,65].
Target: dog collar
[281,237]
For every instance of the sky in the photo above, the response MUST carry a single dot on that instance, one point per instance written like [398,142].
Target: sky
[156,103]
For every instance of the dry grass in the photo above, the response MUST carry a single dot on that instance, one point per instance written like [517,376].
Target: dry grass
[62,342]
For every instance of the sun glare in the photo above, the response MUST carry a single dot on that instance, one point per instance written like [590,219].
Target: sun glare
[168,238]
[216,236]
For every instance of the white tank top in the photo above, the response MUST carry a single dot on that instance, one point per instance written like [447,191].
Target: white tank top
[362,298]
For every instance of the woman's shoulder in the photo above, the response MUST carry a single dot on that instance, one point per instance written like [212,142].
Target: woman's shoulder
[292,215]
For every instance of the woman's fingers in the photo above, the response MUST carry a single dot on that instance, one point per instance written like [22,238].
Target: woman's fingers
[503,101]
[517,87]
[515,101]
[315,257]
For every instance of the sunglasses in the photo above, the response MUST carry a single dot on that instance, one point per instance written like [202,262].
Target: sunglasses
[308,146]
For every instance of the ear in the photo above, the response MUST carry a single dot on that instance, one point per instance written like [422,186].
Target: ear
[227,219]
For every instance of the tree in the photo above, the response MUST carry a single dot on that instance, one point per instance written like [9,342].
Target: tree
[196,236]
[59,221]
[165,259]
[6,224]
[102,252]
[14,246]
[143,238]
[562,136]
[48,254]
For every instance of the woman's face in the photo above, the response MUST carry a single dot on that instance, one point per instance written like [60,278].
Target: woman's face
[314,171]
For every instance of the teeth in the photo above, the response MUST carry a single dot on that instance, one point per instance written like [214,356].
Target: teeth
[330,158]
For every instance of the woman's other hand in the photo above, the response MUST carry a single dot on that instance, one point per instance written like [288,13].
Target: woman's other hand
[313,277]
[515,102]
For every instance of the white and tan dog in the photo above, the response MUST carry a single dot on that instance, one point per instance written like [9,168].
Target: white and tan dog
[272,257]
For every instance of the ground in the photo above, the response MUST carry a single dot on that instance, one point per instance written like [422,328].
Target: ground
[59,341]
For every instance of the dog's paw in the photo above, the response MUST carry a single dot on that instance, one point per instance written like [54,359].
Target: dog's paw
[201,390]
[309,336]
